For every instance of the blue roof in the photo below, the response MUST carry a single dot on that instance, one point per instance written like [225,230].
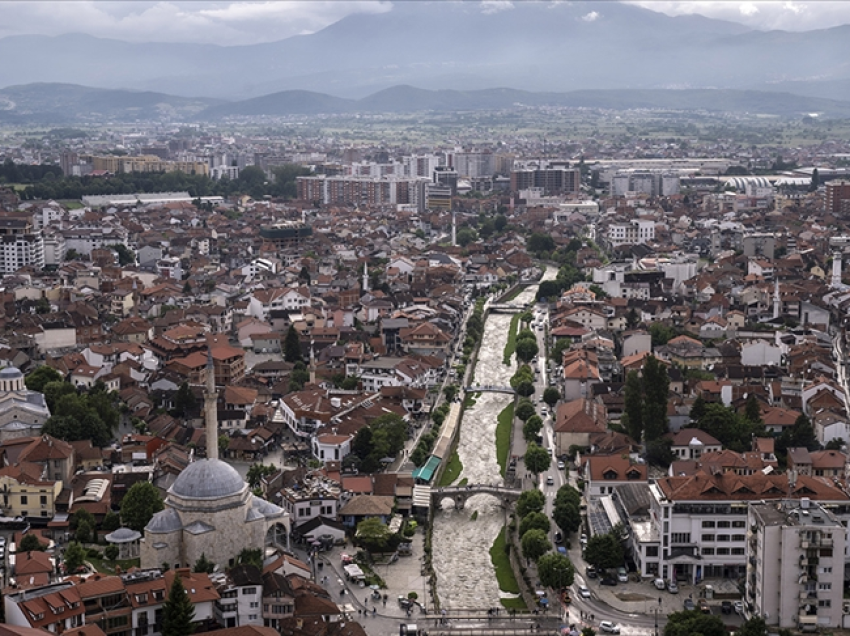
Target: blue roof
[426,472]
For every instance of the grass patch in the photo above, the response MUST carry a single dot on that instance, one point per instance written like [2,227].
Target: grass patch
[71,204]
[504,429]
[470,399]
[105,566]
[474,516]
[514,603]
[463,482]
[452,471]
[510,345]
[502,564]
[512,296]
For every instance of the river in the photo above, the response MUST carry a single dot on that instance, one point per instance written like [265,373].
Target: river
[461,546]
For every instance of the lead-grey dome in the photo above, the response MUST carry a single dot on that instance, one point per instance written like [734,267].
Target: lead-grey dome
[10,372]
[207,479]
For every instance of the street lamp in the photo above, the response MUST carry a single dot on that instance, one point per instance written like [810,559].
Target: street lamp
[656,610]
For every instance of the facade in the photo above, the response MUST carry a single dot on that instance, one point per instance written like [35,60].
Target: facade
[22,412]
[836,193]
[21,245]
[795,570]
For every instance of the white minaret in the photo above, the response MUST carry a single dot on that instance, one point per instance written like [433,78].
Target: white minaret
[210,410]
[454,229]
[777,303]
[835,283]
[365,279]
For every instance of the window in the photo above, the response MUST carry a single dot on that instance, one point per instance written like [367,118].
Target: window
[24,500]
[707,551]
[824,602]
[824,586]
[707,537]
[252,617]
[738,551]
[43,500]
[249,590]
[826,570]
[254,605]
[722,551]
[681,537]
[826,552]
[739,524]
[723,537]
[652,551]
[739,537]
[707,524]
[723,524]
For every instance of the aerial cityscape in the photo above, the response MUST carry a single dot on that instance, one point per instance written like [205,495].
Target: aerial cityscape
[372,318]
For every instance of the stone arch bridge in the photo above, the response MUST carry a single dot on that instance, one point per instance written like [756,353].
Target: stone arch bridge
[459,494]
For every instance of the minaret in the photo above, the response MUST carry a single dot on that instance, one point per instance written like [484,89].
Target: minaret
[312,361]
[835,283]
[365,279]
[210,410]
[777,303]
[454,228]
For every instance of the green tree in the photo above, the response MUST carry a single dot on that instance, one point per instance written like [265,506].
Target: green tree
[524,409]
[660,334]
[256,473]
[84,531]
[539,242]
[656,389]
[250,556]
[385,438]
[111,552]
[551,396]
[659,452]
[697,409]
[184,401]
[752,411]
[526,349]
[537,459]
[815,183]
[111,522]
[555,571]
[80,516]
[465,236]
[140,503]
[632,418]
[203,564]
[530,501]
[500,222]
[567,516]
[568,494]
[75,557]
[561,345]
[694,624]
[36,380]
[374,536]
[531,429]
[450,391]
[30,543]
[126,256]
[604,551]
[535,544]
[755,626]
[292,345]
[534,521]
[178,612]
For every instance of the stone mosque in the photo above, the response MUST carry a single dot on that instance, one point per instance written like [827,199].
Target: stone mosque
[210,509]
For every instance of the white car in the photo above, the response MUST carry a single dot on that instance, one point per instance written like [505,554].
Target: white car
[739,607]
[660,584]
[583,591]
[561,465]
[609,627]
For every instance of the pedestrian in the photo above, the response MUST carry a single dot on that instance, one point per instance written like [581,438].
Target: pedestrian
[374,611]
[385,600]
[359,612]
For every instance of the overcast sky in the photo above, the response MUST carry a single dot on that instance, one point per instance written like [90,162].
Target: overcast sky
[251,21]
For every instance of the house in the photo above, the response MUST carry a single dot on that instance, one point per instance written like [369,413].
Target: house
[692,443]
[603,472]
[576,422]
[362,507]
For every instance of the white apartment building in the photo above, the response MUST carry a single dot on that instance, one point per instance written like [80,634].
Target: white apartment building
[795,569]
[21,245]
[635,232]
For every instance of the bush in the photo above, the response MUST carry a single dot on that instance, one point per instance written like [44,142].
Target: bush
[92,553]
[111,552]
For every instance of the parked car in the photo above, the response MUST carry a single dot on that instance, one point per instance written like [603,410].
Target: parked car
[559,538]
[583,540]
[726,607]
[590,571]
[703,606]
[608,580]
[660,584]
[609,627]
[583,591]
[739,607]
[673,587]
[689,605]
[622,575]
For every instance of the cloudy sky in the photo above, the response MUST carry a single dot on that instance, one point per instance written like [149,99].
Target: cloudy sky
[232,22]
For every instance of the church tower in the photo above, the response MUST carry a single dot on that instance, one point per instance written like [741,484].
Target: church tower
[211,410]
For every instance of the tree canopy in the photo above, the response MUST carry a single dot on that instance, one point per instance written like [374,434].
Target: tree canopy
[537,459]
[36,380]
[383,437]
[140,503]
[551,395]
[534,521]
[604,551]
[80,416]
[535,544]
[178,612]
[530,501]
[555,571]
[692,623]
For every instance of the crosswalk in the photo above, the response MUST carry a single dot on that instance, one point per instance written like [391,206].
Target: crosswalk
[575,618]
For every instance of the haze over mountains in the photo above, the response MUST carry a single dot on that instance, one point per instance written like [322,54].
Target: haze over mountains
[535,46]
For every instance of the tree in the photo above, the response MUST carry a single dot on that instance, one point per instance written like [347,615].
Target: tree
[537,459]
[567,516]
[531,429]
[251,556]
[126,256]
[555,571]
[561,345]
[834,444]
[203,564]
[450,391]
[36,380]
[752,411]
[256,473]
[184,401]
[755,626]
[568,494]
[551,396]
[111,522]
[659,452]
[694,624]
[535,544]
[292,345]
[385,438]
[80,516]
[633,406]
[526,349]
[534,521]
[660,334]
[111,552]
[604,551]
[524,409]
[178,611]
[374,536]
[84,532]
[75,557]
[697,409]
[465,236]
[30,543]
[530,501]
[813,186]
[140,503]
[656,388]
[539,242]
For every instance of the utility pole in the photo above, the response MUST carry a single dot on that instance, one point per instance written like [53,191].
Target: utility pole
[655,611]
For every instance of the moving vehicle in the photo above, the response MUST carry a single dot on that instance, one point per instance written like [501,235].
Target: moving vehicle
[583,591]
[609,627]
[583,539]
[550,481]
[561,465]
[673,587]
[689,605]
[739,607]
[558,537]
[703,606]
[590,571]
[726,607]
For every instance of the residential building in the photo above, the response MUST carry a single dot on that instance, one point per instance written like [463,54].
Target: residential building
[21,245]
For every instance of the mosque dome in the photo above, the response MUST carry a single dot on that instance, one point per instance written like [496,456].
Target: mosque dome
[207,479]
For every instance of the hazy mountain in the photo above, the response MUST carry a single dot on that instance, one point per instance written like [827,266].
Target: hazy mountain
[534,46]
[69,102]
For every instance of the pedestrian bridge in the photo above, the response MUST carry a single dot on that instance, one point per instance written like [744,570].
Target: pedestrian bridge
[506,308]
[488,388]
[459,494]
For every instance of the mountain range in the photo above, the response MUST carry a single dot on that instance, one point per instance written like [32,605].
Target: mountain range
[554,47]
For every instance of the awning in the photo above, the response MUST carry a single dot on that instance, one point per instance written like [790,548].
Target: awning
[426,472]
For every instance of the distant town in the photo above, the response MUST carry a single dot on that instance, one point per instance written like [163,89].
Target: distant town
[323,377]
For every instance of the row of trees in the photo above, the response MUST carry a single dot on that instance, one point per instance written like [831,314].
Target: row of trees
[555,570]
[645,408]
